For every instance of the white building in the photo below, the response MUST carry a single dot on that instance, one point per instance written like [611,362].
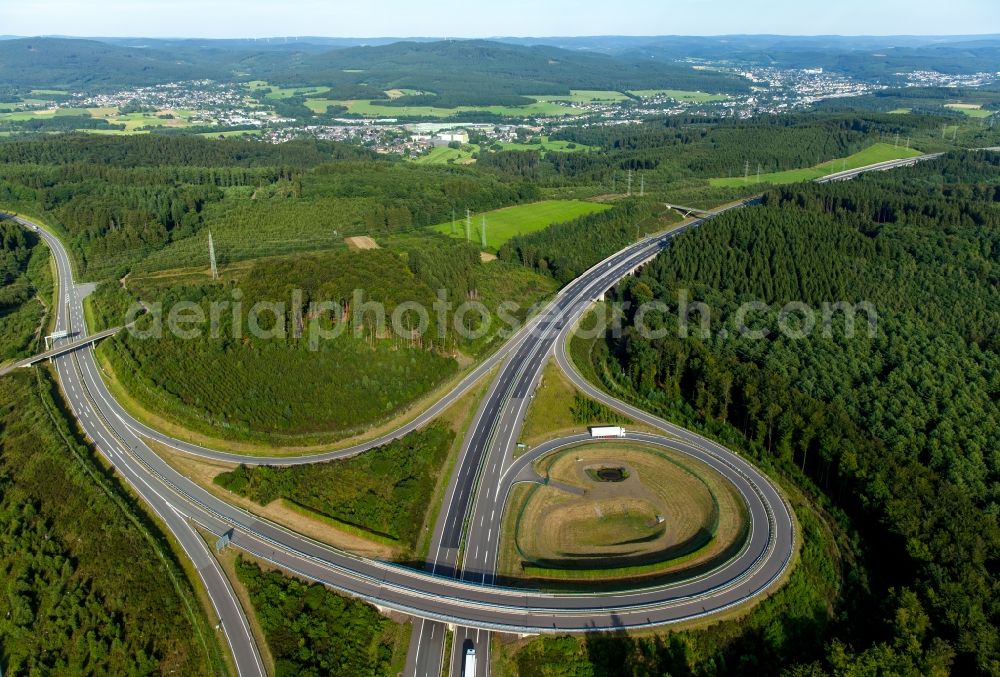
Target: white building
[444,138]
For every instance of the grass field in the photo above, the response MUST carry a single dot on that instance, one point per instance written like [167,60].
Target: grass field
[901,111]
[585,96]
[879,152]
[549,413]
[366,108]
[973,110]
[277,93]
[680,95]
[132,121]
[554,410]
[670,514]
[396,93]
[443,155]
[503,224]
[546,145]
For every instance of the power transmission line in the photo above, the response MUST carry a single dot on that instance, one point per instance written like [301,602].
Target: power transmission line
[211,256]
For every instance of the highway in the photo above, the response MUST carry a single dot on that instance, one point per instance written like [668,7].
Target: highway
[849,174]
[458,587]
[62,347]
[477,496]
[181,503]
[69,318]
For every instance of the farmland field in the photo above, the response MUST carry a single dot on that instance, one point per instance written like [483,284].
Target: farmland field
[277,93]
[396,93]
[585,96]
[680,95]
[503,224]
[973,110]
[368,109]
[132,121]
[879,152]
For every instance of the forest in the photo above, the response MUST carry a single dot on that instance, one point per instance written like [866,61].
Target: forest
[149,200]
[90,584]
[462,72]
[25,289]
[892,438]
[312,631]
[305,373]
[897,428]
[132,208]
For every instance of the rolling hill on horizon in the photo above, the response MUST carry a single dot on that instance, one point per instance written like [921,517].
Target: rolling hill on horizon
[456,71]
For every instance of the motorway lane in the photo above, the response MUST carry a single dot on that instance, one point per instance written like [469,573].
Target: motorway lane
[523,389]
[426,653]
[513,386]
[69,317]
[405,589]
[849,174]
[418,421]
[482,464]
[392,586]
[480,555]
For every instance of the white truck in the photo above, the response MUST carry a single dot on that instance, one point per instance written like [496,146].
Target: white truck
[602,431]
[469,667]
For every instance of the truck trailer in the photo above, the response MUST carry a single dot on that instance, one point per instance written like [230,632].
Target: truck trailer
[601,431]
[469,667]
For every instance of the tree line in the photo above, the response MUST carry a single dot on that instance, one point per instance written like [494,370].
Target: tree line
[899,429]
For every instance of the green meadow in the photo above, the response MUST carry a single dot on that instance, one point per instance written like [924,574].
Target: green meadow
[586,96]
[680,95]
[503,224]
[366,108]
[970,109]
[879,152]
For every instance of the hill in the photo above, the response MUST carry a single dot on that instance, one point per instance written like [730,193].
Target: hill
[471,72]
[61,63]
[480,71]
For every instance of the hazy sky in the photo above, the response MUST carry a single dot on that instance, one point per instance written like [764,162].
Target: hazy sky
[475,18]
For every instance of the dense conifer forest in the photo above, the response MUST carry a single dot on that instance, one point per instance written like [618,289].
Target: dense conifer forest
[898,428]
[90,584]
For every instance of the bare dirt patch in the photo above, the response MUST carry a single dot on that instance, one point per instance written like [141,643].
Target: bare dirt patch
[360,243]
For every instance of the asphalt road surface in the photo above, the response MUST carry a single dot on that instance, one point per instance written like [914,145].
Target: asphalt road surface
[181,503]
[458,589]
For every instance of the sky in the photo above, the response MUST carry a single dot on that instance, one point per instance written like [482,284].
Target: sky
[477,18]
